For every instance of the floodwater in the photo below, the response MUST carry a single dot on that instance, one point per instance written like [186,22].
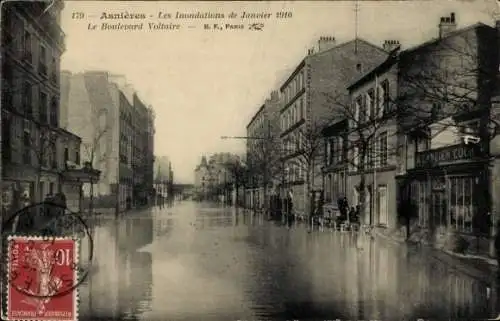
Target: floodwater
[197,261]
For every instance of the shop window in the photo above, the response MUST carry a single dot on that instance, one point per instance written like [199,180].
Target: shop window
[462,207]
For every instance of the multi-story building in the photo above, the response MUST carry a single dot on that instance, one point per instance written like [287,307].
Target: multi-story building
[449,162]
[215,178]
[116,130]
[369,158]
[201,179]
[263,152]
[35,149]
[310,93]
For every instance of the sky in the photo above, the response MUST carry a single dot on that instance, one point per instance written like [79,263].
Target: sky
[204,84]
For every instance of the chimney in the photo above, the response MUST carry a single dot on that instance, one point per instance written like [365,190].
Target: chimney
[310,51]
[447,25]
[390,45]
[325,43]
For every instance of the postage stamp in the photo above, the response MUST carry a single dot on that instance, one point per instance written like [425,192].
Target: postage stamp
[42,273]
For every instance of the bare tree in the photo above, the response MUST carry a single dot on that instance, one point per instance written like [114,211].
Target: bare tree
[237,171]
[95,150]
[265,163]
[43,148]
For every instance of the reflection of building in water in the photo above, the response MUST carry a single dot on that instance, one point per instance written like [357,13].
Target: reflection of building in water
[99,293]
[136,284]
[161,224]
[135,268]
[136,232]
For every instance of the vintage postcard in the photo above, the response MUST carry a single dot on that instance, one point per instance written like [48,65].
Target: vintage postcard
[250,160]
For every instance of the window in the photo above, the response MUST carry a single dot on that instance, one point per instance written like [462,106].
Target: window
[435,111]
[369,155]
[28,98]
[77,157]
[461,202]
[51,188]
[42,61]
[27,147]
[43,108]
[53,113]
[328,152]
[357,110]
[7,83]
[355,157]
[66,155]
[385,97]
[54,72]
[367,106]
[28,56]
[371,104]
[383,152]
[301,109]
[358,67]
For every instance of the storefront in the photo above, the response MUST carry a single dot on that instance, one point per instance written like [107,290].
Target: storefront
[449,188]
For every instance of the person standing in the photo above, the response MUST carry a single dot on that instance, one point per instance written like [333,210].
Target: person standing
[289,202]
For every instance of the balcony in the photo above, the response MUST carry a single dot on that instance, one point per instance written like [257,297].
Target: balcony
[458,153]
[42,68]
[53,78]
[28,57]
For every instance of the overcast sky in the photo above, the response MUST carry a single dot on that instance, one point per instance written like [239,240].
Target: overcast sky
[206,84]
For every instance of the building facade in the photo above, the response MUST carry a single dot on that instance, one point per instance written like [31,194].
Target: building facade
[449,162]
[117,131]
[215,178]
[36,150]
[317,83]
[263,152]
[202,182]
[372,161]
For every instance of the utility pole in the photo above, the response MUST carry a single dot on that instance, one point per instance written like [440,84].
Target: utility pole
[356,10]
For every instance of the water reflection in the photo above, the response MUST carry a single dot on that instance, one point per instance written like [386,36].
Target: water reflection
[217,263]
[119,287]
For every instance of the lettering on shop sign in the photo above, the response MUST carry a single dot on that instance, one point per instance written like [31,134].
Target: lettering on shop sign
[447,154]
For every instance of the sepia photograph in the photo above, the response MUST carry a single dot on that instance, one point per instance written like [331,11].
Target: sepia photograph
[250,160]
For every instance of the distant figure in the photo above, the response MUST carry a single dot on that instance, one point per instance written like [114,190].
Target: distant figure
[289,205]
[129,202]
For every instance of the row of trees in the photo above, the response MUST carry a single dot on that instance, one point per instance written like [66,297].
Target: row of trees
[437,88]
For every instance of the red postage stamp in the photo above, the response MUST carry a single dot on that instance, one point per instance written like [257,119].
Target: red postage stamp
[42,278]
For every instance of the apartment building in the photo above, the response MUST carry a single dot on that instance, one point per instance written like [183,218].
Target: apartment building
[263,152]
[371,155]
[117,132]
[448,163]
[316,85]
[35,148]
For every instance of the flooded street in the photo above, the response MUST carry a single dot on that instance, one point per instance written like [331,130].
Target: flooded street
[195,261]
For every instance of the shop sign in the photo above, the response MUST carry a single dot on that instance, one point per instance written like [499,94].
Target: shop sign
[449,154]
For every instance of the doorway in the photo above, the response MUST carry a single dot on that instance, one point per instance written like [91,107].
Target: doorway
[382,206]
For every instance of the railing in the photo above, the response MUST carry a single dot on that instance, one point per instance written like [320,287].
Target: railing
[28,57]
[42,68]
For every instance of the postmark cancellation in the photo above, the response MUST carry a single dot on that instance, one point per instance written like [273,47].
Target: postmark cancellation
[41,278]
